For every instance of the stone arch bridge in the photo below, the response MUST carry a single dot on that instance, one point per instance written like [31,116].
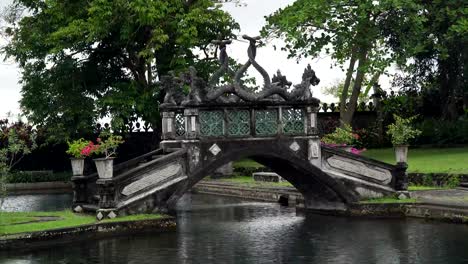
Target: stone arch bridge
[214,125]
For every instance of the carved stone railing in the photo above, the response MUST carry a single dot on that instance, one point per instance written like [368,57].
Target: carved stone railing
[241,120]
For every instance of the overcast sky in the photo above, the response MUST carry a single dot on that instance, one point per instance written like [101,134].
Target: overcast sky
[251,20]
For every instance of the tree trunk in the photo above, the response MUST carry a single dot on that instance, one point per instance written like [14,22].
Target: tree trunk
[348,116]
[344,93]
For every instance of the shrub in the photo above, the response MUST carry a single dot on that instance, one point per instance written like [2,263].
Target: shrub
[427,180]
[453,180]
[108,144]
[341,136]
[402,130]
[76,147]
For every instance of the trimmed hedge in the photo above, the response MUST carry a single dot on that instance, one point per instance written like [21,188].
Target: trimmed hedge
[37,176]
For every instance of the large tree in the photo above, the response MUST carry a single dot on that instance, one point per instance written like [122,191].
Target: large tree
[84,59]
[349,31]
[438,53]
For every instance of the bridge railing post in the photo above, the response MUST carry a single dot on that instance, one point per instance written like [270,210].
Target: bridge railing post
[311,121]
[192,123]
[168,125]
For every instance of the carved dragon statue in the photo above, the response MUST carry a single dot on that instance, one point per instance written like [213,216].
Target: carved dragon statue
[205,92]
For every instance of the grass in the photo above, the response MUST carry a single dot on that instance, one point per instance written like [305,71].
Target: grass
[250,182]
[425,188]
[430,160]
[11,222]
[247,163]
[385,200]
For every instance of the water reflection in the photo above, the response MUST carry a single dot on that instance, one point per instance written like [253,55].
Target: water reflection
[214,229]
[36,202]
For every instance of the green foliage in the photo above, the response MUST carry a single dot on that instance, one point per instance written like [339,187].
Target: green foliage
[34,176]
[336,90]
[402,130]
[453,181]
[428,180]
[442,132]
[346,31]
[108,144]
[342,136]
[82,60]
[76,147]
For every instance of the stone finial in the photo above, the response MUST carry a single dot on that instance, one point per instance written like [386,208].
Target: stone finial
[281,80]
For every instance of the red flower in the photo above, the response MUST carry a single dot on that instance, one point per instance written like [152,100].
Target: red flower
[356,136]
[89,149]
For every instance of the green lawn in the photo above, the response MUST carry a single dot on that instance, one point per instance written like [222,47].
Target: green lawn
[389,200]
[249,182]
[17,222]
[425,188]
[247,163]
[430,160]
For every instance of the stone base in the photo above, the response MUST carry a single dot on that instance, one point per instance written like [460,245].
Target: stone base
[267,177]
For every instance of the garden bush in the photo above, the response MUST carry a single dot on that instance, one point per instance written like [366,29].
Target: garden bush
[37,176]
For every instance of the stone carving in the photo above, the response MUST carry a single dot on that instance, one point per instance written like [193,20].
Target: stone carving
[294,146]
[280,80]
[302,91]
[152,178]
[197,86]
[345,164]
[171,85]
[214,149]
[204,92]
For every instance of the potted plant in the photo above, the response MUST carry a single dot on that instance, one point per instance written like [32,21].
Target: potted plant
[78,149]
[107,146]
[343,138]
[401,132]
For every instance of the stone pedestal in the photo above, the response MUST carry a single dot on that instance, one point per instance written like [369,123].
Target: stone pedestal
[79,189]
[267,177]
[401,177]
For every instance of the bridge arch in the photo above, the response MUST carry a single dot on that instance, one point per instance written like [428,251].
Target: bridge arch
[320,190]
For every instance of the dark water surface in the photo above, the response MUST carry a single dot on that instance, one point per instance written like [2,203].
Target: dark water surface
[214,229]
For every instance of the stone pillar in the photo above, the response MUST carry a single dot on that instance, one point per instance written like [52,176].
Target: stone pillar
[168,125]
[192,126]
[311,121]
[401,177]
[315,152]
[80,186]
[106,191]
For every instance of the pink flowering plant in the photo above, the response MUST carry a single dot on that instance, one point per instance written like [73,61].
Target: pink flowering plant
[89,149]
[343,137]
[79,148]
[108,144]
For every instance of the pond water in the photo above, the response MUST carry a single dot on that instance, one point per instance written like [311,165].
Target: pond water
[214,229]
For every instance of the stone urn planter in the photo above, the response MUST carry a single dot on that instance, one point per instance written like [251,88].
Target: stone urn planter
[105,167]
[77,165]
[401,153]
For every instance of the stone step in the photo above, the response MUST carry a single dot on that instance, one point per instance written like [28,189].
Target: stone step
[464,184]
